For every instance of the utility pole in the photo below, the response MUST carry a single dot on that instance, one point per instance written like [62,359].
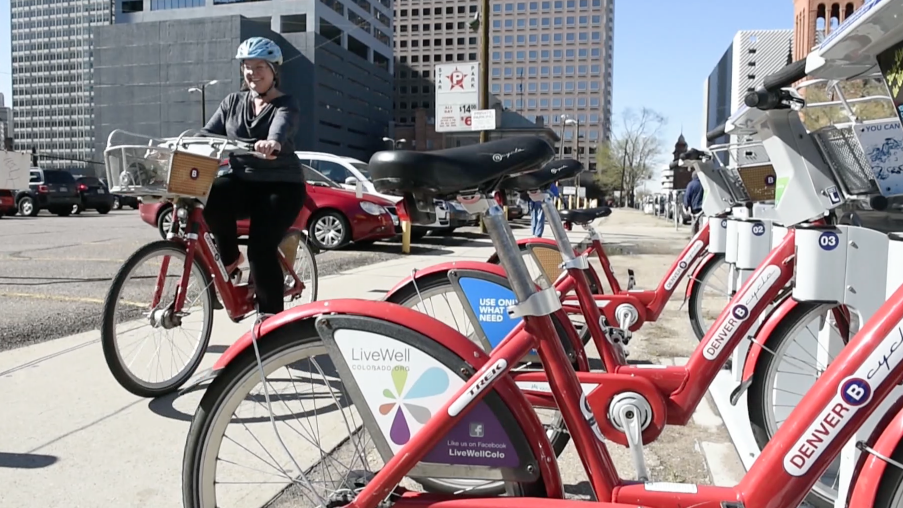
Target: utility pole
[623,172]
[485,7]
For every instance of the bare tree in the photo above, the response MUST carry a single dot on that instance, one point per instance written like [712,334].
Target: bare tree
[631,155]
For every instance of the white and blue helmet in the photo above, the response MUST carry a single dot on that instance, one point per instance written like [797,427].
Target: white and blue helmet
[260,47]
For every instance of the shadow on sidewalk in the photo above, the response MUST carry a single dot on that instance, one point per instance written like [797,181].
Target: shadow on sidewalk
[26,460]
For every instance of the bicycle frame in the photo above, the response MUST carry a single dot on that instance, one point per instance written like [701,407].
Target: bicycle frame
[653,301]
[238,300]
[864,373]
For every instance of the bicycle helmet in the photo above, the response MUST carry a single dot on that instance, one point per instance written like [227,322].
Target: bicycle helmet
[260,47]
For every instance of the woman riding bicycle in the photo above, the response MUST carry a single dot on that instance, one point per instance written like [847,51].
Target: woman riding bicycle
[270,191]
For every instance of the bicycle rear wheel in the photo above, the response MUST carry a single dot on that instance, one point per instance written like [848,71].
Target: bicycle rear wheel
[128,310]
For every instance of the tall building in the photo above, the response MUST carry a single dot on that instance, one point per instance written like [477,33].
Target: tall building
[547,59]
[51,64]
[6,124]
[338,64]
[815,19]
[752,55]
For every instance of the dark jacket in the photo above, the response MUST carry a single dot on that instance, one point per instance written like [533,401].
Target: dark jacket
[693,195]
[278,121]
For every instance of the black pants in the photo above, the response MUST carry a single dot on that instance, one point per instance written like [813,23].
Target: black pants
[272,208]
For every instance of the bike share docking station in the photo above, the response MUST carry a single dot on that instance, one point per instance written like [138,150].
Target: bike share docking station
[848,265]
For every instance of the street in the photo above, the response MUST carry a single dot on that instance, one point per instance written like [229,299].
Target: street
[55,271]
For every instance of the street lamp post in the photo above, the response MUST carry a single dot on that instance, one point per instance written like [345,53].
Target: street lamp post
[576,123]
[395,143]
[202,89]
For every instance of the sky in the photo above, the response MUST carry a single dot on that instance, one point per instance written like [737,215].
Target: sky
[663,52]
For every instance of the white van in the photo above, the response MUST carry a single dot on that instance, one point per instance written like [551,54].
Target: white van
[347,171]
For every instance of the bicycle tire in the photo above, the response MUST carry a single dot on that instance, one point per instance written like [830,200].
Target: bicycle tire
[108,332]
[696,321]
[281,340]
[559,439]
[314,287]
[591,276]
[756,395]
[890,488]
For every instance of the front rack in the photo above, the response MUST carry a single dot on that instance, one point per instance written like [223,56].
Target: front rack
[182,167]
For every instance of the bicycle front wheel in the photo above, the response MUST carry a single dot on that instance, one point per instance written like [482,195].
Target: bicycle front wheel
[297,436]
[300,256]
[150,349]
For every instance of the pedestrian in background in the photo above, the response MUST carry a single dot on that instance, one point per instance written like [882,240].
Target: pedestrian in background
[537,215]
[693,201]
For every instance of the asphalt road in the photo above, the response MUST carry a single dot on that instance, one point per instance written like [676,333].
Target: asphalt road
[55,271]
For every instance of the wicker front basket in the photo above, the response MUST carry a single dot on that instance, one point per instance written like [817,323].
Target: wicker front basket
[191,174]
[759,181]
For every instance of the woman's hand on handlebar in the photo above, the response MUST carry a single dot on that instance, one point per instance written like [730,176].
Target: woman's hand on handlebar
[268,147]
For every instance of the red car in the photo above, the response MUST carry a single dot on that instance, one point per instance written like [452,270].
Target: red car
[333,216]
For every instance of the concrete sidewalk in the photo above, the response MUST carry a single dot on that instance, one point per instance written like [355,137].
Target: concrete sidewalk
[71,436]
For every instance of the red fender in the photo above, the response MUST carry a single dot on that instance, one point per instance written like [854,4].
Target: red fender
[444,267]
[477,266]
[870,469]
[764,334]
[494,258]
[691,283]
[421,323]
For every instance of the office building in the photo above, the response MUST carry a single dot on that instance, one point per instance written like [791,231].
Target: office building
[547,59]
[815,19]
[337,64]
[6,125]
[752,55]
[51,65]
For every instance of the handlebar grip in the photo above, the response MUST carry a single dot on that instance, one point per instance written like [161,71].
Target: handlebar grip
[715,133]
[785,77]
[693,154]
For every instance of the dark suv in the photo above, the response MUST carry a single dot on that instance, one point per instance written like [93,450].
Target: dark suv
[94,195]
[48,189]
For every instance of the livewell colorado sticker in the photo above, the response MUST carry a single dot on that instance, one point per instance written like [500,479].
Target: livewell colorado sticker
[405,387]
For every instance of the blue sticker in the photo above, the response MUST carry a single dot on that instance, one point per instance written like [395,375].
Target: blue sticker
[758,229]
[833,195]
[490,302]
[828,240]
[740,312]
[855,391]
[769,180]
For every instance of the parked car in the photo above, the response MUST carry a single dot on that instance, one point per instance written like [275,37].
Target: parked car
[347,172]
[94,195]
[333,216]
[120,202]
[48,189]
[7,203]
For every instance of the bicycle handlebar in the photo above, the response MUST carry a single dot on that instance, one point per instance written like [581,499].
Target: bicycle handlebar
[770,95]
[715,133]
[786,76]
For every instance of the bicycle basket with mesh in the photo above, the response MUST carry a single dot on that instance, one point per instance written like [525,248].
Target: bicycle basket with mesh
[844,156]
[158,168]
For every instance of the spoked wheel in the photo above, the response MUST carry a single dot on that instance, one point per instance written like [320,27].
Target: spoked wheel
[299,254]
[803,346]
[297,436]
[152,350]
[437,298]
[710,295]
[539,276]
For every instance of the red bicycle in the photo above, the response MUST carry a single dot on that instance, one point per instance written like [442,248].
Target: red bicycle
[183,274]
[438,409]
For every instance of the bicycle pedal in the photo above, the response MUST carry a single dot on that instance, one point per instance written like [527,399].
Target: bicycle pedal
[631,279]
